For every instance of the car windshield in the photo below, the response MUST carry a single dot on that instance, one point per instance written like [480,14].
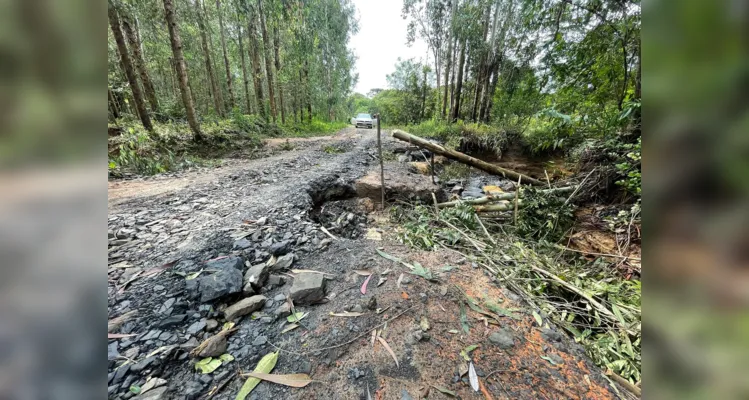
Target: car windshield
[362,116]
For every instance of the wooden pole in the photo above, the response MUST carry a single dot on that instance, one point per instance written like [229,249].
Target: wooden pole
[464,158]
[382,167]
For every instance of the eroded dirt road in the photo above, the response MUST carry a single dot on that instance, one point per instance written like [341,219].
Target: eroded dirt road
[181,248]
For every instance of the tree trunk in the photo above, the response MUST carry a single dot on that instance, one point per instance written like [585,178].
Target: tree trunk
[447,78]
[307,94]
[464,158]
[140,63]
[179,65]
[267,56]
[454,58]
[487,111]
[226,57]
[217,98]
[245,80]
[257,74]
[459,82]
[422,113]
[113,104]
[278,74]
[114,23]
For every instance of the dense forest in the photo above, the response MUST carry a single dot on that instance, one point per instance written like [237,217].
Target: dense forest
[558,71]
[286,62]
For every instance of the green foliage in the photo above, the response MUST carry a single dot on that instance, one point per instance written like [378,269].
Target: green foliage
[333,149]
[287,146]
[418,227]
[140,153]
[544,215]
[630,167]
[462,134]
[550,131]
[455,170]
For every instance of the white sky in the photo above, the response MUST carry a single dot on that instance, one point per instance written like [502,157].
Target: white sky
[380,41]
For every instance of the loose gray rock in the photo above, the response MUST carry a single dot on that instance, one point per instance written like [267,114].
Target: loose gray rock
[197,327]
[279,297]
[112,352]
[308,287]
[244,307]
[280,248]
[211,324]
[283,310]
[256,276]
[284,262]
[502,338]
[242,244]
[276,280]
[211,287]
[551,335]
[259,341]
[225,263]
[153,394]
[174,320]
[357,308]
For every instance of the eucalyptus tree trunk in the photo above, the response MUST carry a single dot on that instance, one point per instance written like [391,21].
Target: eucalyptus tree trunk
[267,56]
[278,74]
[217,98]
[459,82]
[114,23]
[179,66]
[226,57]
[449,57]
[133,40]
[257,74]
[307,94]
[245,79]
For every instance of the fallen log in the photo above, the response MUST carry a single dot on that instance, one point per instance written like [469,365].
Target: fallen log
[464,158]
[498,197]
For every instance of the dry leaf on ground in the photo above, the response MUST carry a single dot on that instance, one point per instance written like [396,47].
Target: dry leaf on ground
[293,380]
[389,350]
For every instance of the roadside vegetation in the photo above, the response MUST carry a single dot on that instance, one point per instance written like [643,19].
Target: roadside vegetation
[552,82]
[190,81]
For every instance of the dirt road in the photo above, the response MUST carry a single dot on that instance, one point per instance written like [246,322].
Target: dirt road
[171,239]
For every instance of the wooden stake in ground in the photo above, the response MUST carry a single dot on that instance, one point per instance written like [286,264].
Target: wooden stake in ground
[517,195]
[464,158]
[382,167]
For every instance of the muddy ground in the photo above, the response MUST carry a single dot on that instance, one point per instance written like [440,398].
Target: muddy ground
[167,233]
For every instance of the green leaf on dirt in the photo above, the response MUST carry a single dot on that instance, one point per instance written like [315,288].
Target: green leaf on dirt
[289,328]
[228,325]
[135,389]
[465,353]
[464,318]
[418,269]
[445,391]
[208,365]
[447,268]
[388,256]
[549,360]
[297,316]
[293,380]
[226,357]
[538,318]
[502,311]
[193,275]
[265,366]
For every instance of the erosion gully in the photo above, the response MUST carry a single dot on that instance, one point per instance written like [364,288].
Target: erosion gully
[185,249]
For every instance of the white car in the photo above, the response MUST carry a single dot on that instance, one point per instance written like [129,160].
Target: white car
[364,121]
